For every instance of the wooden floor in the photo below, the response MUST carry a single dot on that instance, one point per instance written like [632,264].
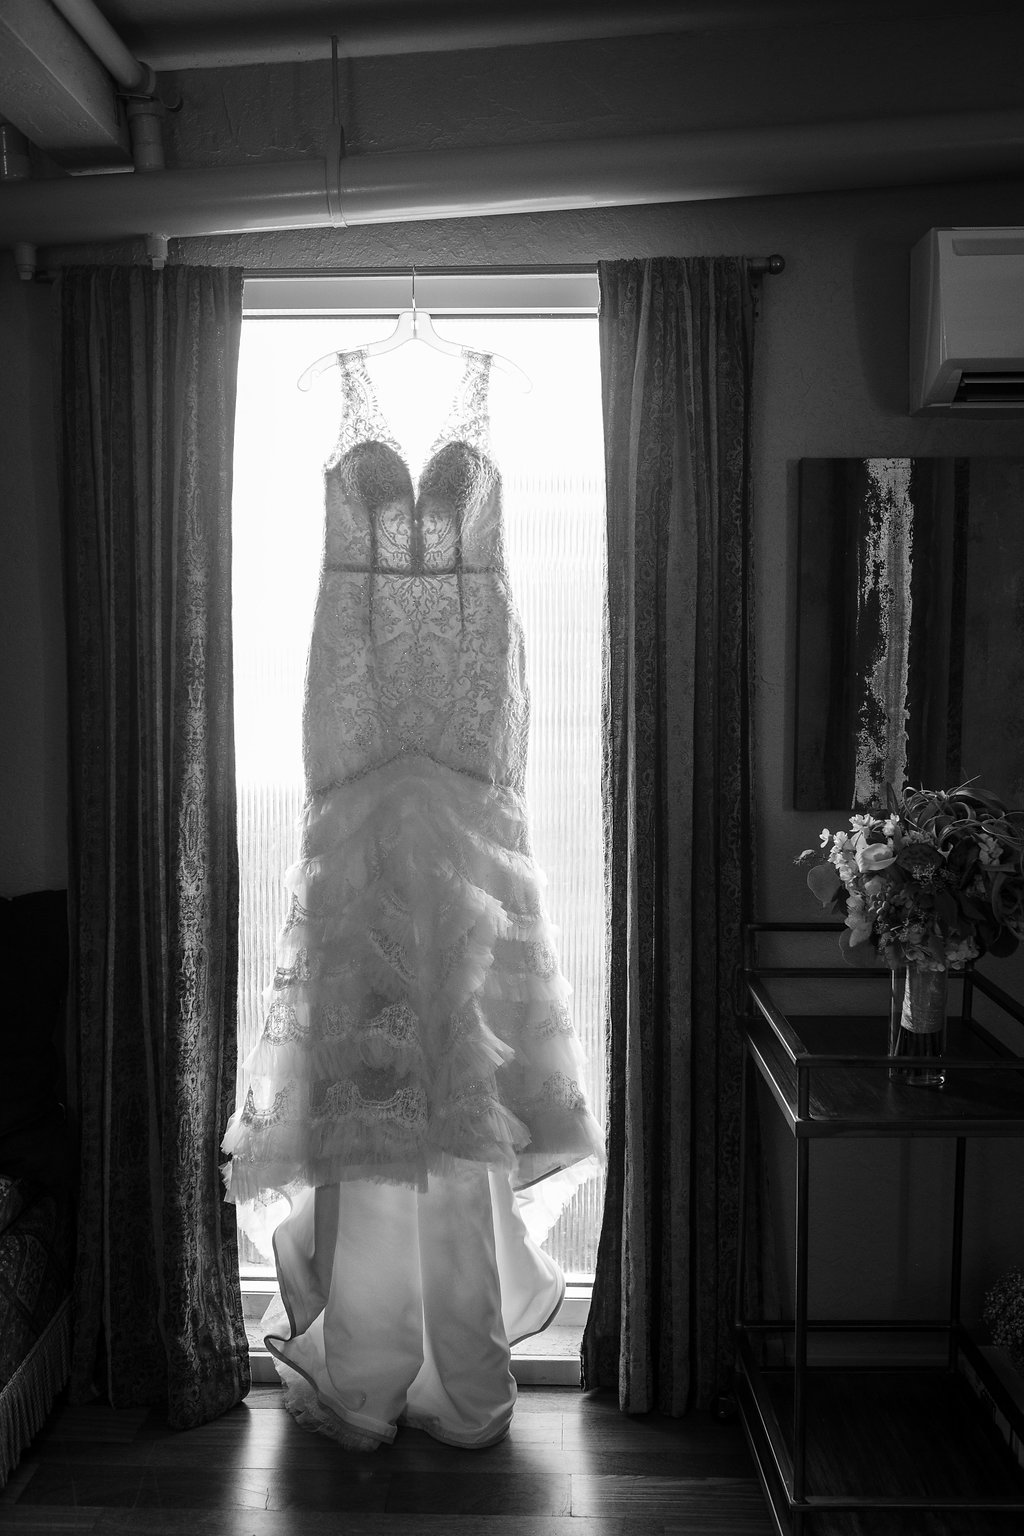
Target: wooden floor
[572,1466]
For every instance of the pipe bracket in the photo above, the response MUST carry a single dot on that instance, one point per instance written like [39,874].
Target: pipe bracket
[334,154]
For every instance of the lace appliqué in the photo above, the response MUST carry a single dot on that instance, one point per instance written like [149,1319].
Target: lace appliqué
[259,1120]
[304,969]
[297,914]
[471,1101]
[405,1106]
[561,1092]
[558,1021]
[282,1024]
[469,418]
[362,420]
[394,1029]
[395,954]
[532,958]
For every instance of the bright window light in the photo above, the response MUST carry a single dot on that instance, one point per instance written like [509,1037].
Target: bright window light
[548,442]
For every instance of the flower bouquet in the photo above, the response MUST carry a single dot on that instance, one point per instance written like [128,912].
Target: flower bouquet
[932,884]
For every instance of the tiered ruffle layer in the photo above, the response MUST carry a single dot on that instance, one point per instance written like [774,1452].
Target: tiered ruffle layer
[417,1019]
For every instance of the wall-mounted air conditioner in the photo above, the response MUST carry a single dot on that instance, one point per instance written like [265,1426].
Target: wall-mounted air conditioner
[967,322]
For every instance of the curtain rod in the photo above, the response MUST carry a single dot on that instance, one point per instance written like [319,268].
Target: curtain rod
[760,266]
[554,268]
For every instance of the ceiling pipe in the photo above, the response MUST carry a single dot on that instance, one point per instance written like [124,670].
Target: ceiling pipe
[15,165]
[136,82]
[145,127]
[134,77]
[335,191]
[377,27]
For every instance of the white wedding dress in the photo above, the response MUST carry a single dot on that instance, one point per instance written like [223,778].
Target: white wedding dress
[416,1091]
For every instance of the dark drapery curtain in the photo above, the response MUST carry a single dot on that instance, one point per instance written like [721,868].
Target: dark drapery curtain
[676,353]
[147,398]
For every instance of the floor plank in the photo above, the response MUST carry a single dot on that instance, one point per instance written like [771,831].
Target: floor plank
[278,1523]
[28,1520]
[479,1493]
[572,1465]
[664,1499]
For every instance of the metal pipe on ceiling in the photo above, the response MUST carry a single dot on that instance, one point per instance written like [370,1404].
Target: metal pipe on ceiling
[336,191]
[99,36]
[134,79]
[378,27]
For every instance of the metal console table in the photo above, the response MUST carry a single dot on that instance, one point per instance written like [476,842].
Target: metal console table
[858,1450]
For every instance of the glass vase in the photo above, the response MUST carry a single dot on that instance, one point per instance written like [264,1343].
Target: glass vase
[917,1025]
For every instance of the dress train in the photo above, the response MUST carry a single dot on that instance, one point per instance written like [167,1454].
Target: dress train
[400,1305]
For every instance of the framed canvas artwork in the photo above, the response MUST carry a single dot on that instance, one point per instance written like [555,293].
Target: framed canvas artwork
[910,628]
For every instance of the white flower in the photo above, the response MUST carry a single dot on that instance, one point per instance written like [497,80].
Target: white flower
[863,824]
[857,919]
[874,856]
[989,851]
[860,929]
[845,861]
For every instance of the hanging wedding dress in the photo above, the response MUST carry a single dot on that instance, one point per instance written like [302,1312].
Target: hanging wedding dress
[417,1063]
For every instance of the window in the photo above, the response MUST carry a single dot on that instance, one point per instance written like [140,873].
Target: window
[549,445]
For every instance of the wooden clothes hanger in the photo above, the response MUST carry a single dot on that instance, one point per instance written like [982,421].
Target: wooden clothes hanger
[412,325]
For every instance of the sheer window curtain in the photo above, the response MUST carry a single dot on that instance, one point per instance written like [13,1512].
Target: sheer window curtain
[147,394]
[676,354]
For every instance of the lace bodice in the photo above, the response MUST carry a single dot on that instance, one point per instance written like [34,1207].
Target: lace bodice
[417,645]
[374,515]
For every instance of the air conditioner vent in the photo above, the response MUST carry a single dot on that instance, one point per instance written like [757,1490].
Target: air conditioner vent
[990,388]
[967,322]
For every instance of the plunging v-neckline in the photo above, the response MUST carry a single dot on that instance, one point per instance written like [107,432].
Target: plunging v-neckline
[355,369]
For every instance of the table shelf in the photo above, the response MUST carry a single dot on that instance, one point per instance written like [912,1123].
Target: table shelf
[886,1451]
[870,1448]
[849,1092]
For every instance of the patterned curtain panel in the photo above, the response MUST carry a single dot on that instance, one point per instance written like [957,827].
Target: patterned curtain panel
[676,343]
[148,363]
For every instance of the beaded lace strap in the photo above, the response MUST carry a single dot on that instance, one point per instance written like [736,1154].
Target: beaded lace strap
[362,420]
[469,418]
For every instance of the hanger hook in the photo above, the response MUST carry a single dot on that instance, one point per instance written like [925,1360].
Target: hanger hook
[414,292]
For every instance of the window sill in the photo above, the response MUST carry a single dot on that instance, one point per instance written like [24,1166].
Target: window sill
[551,1358]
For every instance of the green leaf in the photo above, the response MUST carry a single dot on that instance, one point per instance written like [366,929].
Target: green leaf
[857,954]
[823,881]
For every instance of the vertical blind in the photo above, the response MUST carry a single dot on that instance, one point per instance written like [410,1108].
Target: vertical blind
[548,444]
